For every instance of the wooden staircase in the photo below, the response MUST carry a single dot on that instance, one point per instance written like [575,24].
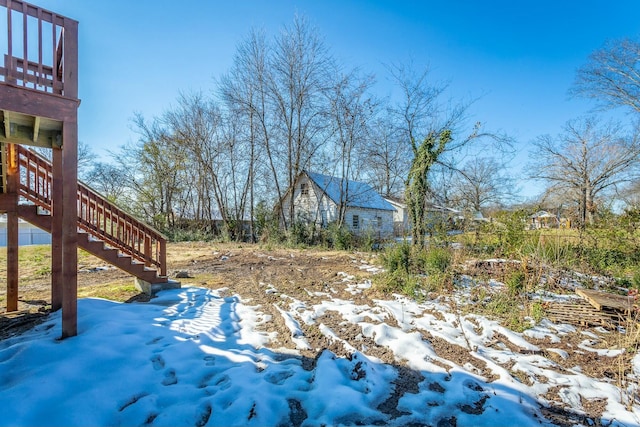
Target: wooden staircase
[104,230]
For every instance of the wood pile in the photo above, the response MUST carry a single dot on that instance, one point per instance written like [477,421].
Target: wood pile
[596,308]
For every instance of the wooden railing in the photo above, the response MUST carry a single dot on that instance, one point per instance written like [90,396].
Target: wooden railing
[96,215]
[35,56]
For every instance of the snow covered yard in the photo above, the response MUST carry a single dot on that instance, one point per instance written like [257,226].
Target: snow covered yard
[196,356]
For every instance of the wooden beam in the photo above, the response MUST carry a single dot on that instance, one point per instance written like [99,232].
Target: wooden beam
[25,129]
[36,129]
[7,123]
[603,300]
[23,135]
[13,178]
[69,208]
[3,169]
[37,103]
[12,261]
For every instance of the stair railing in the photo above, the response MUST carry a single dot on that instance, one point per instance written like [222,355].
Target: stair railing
[97,216]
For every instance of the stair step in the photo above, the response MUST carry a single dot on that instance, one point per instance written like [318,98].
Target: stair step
[114,257]
[97,247]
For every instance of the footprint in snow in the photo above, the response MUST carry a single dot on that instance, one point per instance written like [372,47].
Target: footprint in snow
[133,399]
[203,417]
[153,341]
[170,377]
[158,362]
[278,378]
[223,383]
[204,382]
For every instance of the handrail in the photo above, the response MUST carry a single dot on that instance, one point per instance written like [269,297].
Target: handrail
[35,55]
[96,215]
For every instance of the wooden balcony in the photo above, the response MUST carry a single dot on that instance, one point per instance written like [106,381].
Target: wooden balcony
[38,74]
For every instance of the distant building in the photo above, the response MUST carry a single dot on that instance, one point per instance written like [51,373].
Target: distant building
[401,224]
[27,234]
[543,219]
[317,199]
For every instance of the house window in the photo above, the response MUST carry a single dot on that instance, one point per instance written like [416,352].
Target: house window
[379,220]
[304,189]
[355,221]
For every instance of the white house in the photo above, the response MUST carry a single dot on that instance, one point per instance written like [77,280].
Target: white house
[317,198]
[401,214]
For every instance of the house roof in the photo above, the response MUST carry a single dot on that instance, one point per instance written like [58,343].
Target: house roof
[431,207]
[359,194]
[543,214]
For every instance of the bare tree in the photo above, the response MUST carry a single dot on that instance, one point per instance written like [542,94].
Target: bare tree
[155,173]
[585,161]
[244,92]
[298,76]
[351,110]
[108,180]
[192,127]
[612,75]
[387,159]
[432,130]
[481,182]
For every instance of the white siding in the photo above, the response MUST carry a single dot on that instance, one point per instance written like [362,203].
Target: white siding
[400,214]
[368,221]
[310,207]
[27,234]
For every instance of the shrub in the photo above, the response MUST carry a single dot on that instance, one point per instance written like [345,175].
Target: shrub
[397,258]
[515,282]
[438,260]
[301,233]
[537,311]
[338,237]
[415,271]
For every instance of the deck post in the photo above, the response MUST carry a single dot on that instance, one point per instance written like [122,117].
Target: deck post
[12,261]
[56,230]
[13,178]
[69,230]
[70,185]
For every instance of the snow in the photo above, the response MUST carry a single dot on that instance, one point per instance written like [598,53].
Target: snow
[192,356]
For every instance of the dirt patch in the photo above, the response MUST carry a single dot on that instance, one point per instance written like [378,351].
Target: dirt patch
[17,323]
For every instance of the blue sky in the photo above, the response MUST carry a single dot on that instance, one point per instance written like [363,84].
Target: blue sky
[518,57]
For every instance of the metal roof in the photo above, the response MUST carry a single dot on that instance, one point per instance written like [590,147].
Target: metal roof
[355,194]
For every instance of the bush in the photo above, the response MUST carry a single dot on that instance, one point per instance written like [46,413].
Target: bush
[397,258]
[338,237]
[537,311]
[266,224]
[415,271]
[438,260]
[515,283]
[300,233]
